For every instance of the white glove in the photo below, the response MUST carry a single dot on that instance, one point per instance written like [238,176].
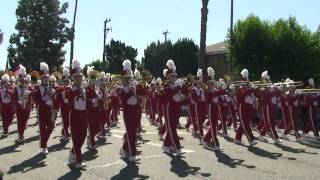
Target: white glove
[65,101]
[132,100]
[84,85]
[94,101]
[27,92]
[134,84]
[177,98]
[180,82]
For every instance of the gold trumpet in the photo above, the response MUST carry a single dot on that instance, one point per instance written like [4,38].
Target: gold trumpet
[104,103]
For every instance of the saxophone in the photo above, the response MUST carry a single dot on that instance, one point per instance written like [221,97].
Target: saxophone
[54,112]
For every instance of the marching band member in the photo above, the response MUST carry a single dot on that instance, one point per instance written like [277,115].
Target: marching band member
[65,103]
[6,104]
[163,128]
[92,109]
[159,102]
[141,96]
[292,99]
[78,115]
[284,108]
[173,99]
[213,97]
[191,106]
[103,102]
[245,100]
[22,102]
[131,112]
[56,98]
[114,100]
[199,99]
[232,107]
[43,96]
[312,104]
[152,101]
[269,104]
[223,108]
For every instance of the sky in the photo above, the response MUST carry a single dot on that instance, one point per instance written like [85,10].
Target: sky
[140,22]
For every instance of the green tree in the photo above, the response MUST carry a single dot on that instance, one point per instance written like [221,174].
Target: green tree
[116,53]
[284,48]
[156,56]
[184,53]
[186,56]
[42,33]
[97,64]
[251,45]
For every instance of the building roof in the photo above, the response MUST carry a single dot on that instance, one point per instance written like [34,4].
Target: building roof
[219,48]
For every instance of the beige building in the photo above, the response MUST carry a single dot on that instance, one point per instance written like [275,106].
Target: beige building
[217,58]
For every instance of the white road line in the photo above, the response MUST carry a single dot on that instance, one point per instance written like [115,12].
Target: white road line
[153,144]
[146,133]
[122,162]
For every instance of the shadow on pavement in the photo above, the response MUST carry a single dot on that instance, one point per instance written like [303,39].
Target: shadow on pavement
[228,161]
[72,174]
[90,155]
[58,147]
[131,171]
[263,153]
[311,142]
[293,150]
[30,139]
[9,149]
[29,164]
[182,169]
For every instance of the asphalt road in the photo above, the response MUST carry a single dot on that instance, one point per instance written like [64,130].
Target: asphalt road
[290,160]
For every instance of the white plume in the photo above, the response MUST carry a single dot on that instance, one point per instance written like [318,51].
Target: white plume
[265,75]
[90,69]
[288,80]
[13,79]
[108,76]
[245,73]
[199,73]
[22,70]
[232,87]
[53,79]
[211,72]
[311,82]
[165,72]
[44,67]
[28,77]
[5,78]
[170,64]
[137,74]
[154,81]
[126,65]
[76,64]
[102,76]
[66,72]
[159,81]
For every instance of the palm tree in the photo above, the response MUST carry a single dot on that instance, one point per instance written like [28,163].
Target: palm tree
[203,34]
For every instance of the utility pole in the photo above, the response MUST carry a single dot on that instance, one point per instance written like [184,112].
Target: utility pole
[105,32]
[231,35]
[72,33]
[1,36]
[165,35]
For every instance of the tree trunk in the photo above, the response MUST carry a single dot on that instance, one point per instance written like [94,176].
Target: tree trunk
[203,35]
